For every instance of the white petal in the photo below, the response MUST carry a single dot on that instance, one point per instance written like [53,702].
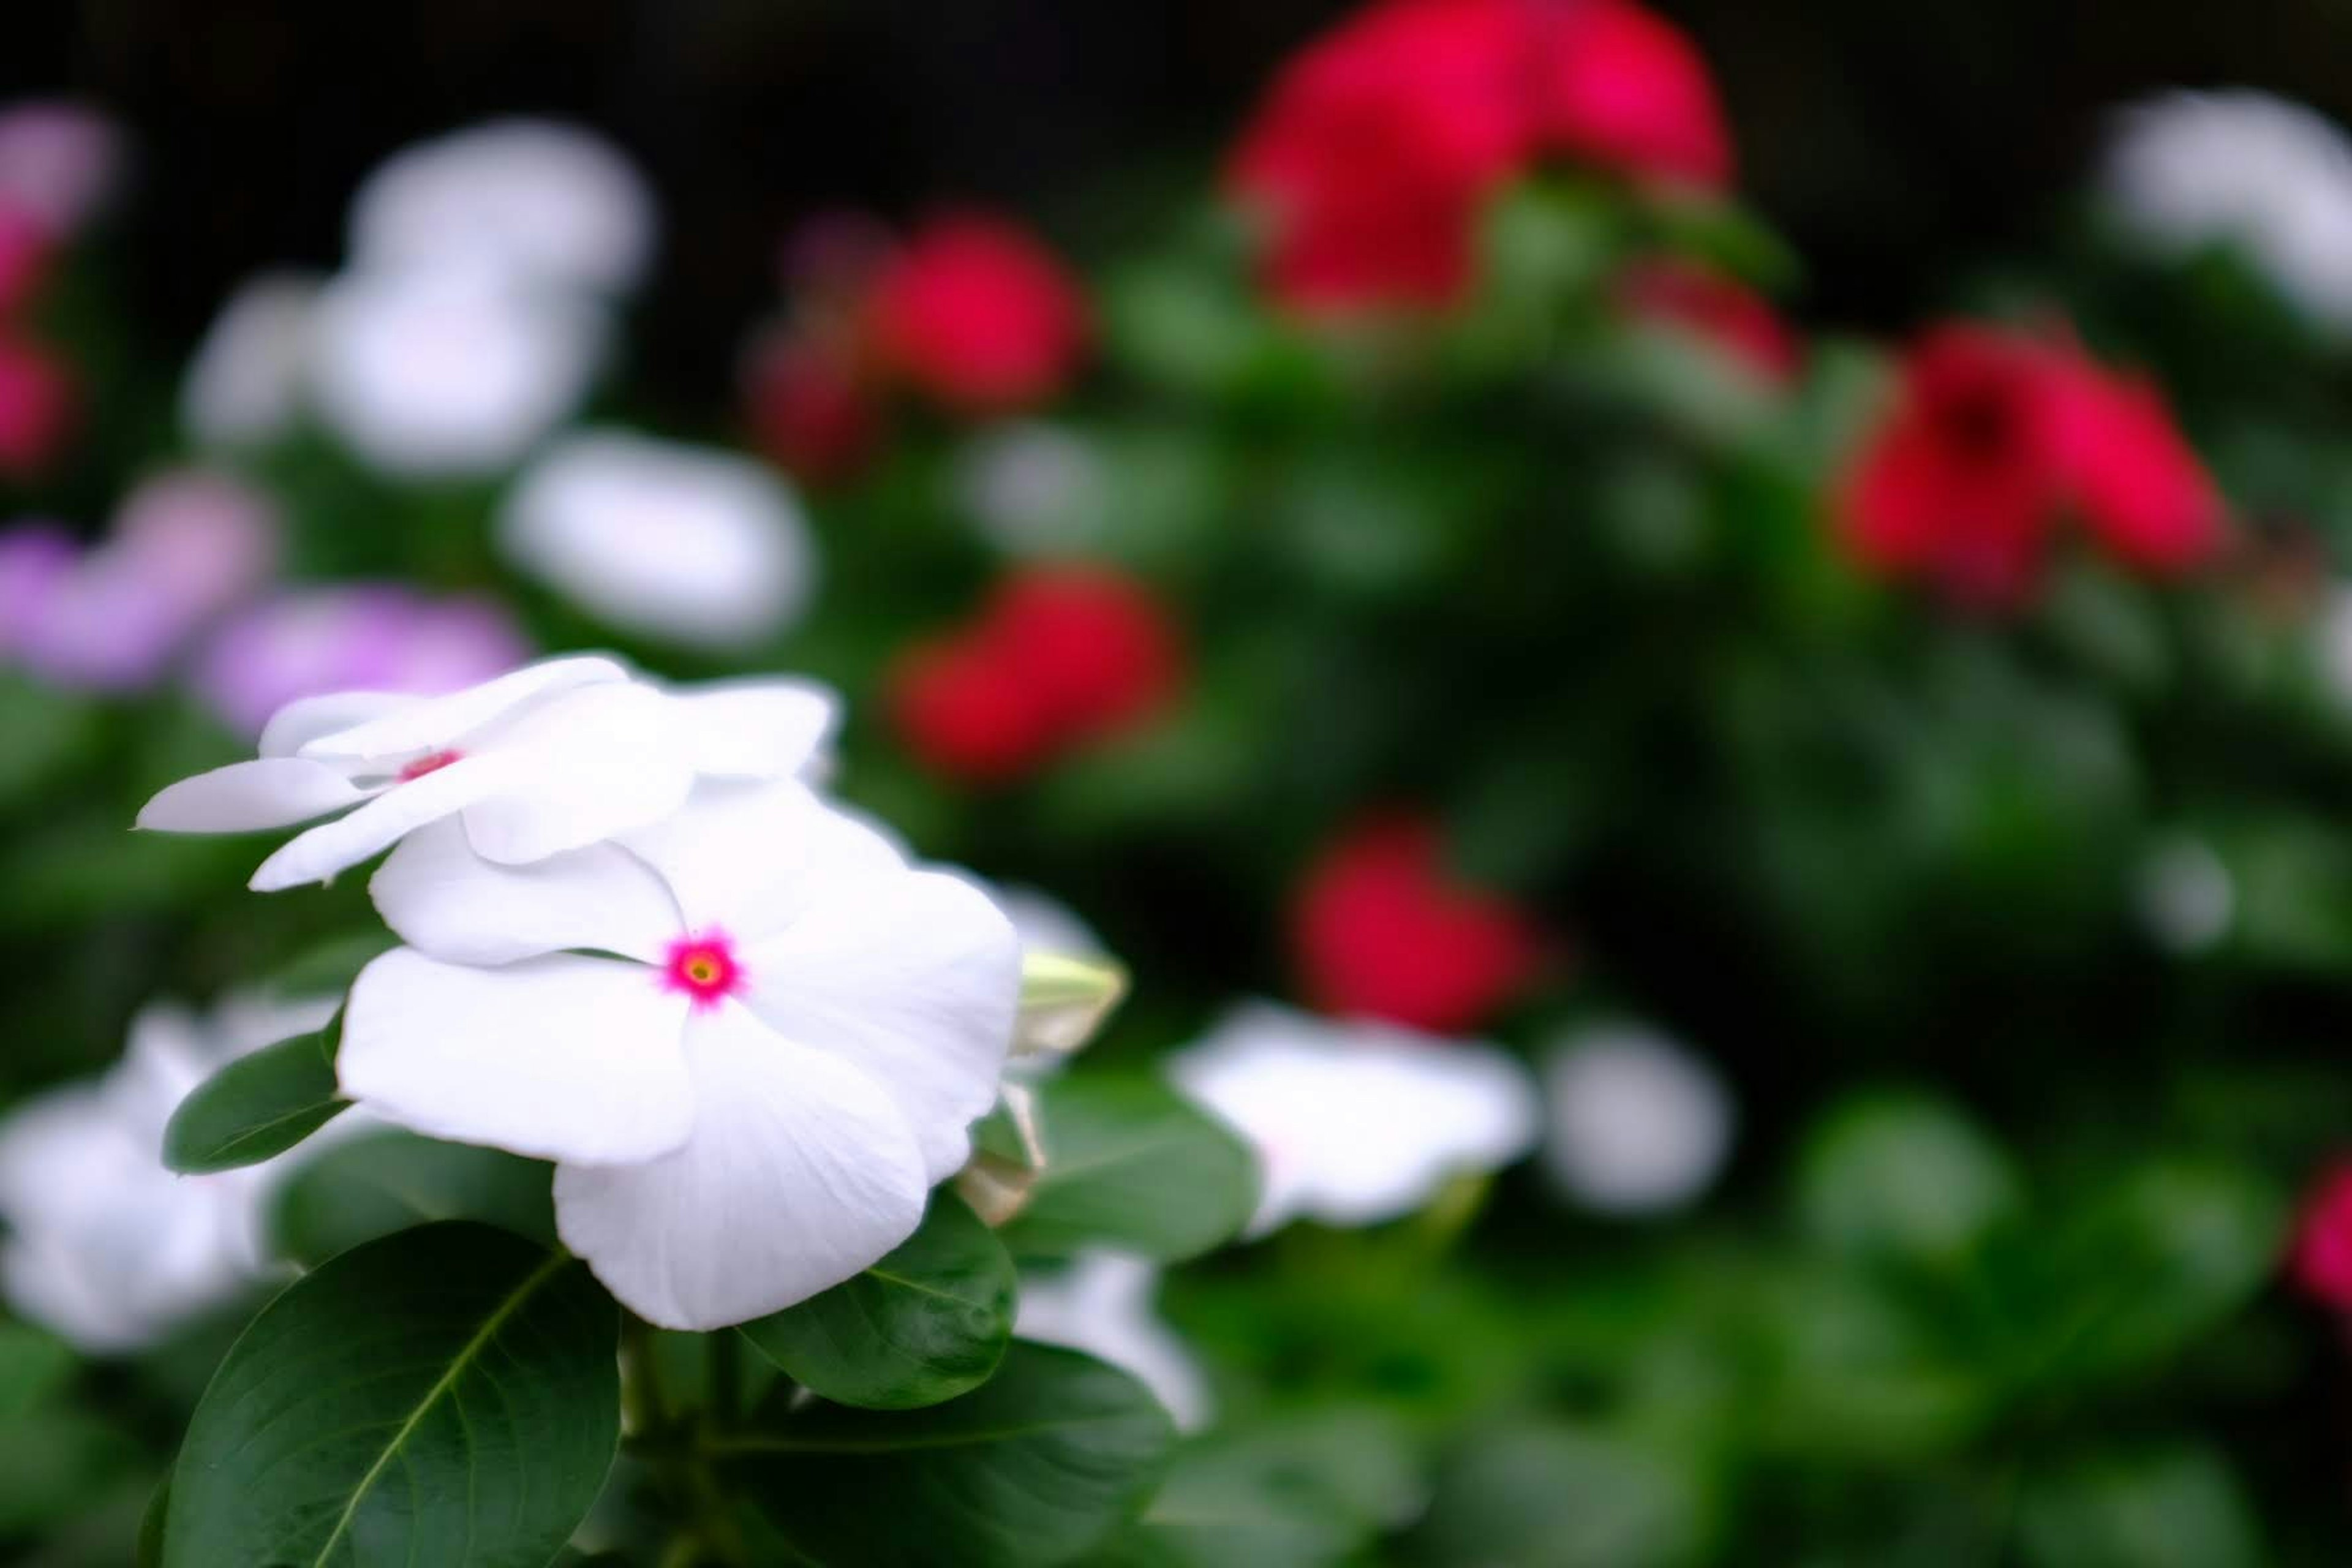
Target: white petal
[749,858]
[586,765]
[561,1058]
[1102,1304]
[801,1172]
[244,797]
[1358,1124]
[447,901]
[914,977]
[307,718]
[440,722]
[687,544]
[756,728]
[337,846]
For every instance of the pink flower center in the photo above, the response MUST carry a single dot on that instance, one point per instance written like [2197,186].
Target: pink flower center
[703,968]
[428,764]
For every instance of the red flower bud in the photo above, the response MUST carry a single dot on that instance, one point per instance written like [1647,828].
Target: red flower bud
[976,313]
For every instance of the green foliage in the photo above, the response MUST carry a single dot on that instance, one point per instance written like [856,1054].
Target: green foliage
[1130,1163]
[385,1181]
[445,1395]
[928,1323]
[1033,1469]
[258,1106]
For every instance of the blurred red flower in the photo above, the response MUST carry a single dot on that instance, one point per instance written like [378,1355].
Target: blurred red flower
[965,713]
[36,405]
[1377,145]
[1382,929]
[1716,307]
[1622,88]
[1060,657]
[812,412]
[1998,435]
[2321,1260]
[1380,142]
[1095,645]
[975,312]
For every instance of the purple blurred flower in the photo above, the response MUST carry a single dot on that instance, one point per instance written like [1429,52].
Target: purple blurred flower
[58,161]
[35,558]
[378,637]
[186,547]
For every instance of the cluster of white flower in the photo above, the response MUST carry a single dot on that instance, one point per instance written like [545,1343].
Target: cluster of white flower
[472,316]
[749,1033]
[106,1247]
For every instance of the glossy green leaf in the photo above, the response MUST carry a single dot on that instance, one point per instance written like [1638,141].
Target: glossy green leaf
[258,1106]
[447,1395]
[1131,1164]
[1035,1468]
[927,1323]
[388,1179]
[329,969]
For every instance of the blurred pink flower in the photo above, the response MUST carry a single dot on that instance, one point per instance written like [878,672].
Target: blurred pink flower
[186,547]
[375,637]
[59,161]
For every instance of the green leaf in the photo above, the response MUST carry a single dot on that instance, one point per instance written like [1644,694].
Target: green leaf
[1033,1469]
[33,1365]
[927,1323]
[1286,1494]
[149,1552]
[258,1106]
[1903,1176]
[449,1395]
[2154,1265]
[1566,1497]
[2170,1507]
[329,969]
[391,1181]
[1131,1164]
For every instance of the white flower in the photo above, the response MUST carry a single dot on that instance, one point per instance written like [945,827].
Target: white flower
[543,202]
[1102,1304]
[450,370]
[1639,1125]
[245,385]
[2186,170]
[106,1247]
[550,757]
[751,1037]
[1357,1123]
[687,544]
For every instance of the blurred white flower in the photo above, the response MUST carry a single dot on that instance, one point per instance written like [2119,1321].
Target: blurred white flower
[2187,896]
[106,1247]
[540,202]
[550,757]
[59,162]
[2186,170]
[1639,1125]
[685,544]
[1357,1123]
[245,385]
[1033,488]
[1101,1303]
[751,1037]
[449,371]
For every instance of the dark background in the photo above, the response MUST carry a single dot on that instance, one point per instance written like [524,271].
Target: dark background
[1891,142]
